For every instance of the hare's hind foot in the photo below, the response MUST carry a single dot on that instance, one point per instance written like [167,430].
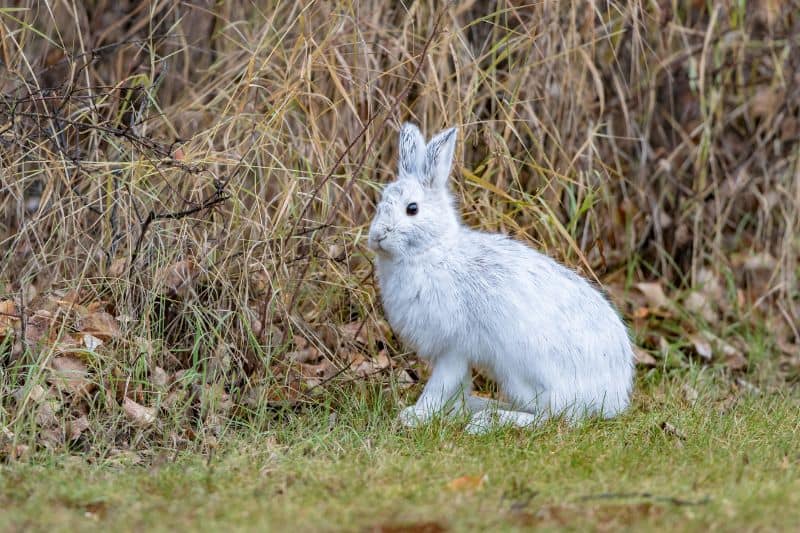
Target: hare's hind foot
[490,419]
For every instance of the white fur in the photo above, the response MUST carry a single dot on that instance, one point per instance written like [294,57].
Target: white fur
[463,298]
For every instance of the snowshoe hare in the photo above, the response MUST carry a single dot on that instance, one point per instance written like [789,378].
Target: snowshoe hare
[463,298]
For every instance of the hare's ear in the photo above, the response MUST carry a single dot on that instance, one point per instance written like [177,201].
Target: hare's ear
[412,152]
[439,158]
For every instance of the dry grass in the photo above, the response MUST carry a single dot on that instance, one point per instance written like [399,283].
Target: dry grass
[204,172]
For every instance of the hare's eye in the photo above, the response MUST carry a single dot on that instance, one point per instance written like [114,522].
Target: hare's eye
[412,209]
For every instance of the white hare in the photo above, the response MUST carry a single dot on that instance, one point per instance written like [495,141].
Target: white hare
[463,298]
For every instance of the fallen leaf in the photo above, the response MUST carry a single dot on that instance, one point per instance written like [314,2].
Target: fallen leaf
[701,346]
[179,275]
[38,327]
[466,483]
[748,387]
[70,374]
[382,360]
[118,267]
[76,427]
[698,303]
[305,355]
[411,527]
[100,324]
[138,414]
[160,377]
[643,358]
[36,393]
[9,318]
[765,102]
[689,393]
[355,332]
[91,342]
[46,413]
[654,294]
[734,358]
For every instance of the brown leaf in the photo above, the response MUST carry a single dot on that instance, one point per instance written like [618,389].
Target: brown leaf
[76,427]
[9,318]
[305,355]
[100,324]
[765,102]
[118,267]
[701,346]
[36,394]
[91,342]
[179,275]
[466,483]
[69,374]
[689,393]
[355,332]
[698,303]
[643,358]
[734,358]
[160,377]
[654,294]
[46,413]
[138,414]
[382,360]
[411,527]
[38,327]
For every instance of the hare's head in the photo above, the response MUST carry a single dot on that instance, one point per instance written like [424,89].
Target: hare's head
[417,211]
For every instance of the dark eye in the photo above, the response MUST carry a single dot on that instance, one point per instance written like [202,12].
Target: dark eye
[412,209]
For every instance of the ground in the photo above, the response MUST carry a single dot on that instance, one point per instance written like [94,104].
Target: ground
[695,451]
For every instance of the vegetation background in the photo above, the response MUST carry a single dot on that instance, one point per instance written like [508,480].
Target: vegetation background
[185,189]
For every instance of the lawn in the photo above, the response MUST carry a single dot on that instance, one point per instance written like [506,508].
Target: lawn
[695,452]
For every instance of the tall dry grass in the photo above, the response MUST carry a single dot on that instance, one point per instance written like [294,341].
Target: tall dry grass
[202,174]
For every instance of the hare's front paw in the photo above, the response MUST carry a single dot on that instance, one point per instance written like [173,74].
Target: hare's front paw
[481,422]
[414,416]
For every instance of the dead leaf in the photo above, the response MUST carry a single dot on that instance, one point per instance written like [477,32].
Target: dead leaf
[765,102]
[76,427]
[698,303]
[118,267]
[355,332]
[701,346]
[91,342]
[46,413]
[9,318]
[100,324]
[654,294]
[70,374]
[689,393]
[411,527]
[643,358]
[305,355]
[467,483]
[38,327]
[760,261]
[36,393]
[382,360]
[160,377]
[179,275]
[733,356]
[138,414]
[747,387]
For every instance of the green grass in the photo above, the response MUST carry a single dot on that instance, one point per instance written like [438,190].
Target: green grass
[735,466]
